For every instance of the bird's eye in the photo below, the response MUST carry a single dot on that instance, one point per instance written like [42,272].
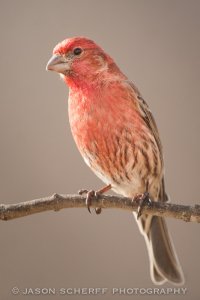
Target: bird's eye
[77,51]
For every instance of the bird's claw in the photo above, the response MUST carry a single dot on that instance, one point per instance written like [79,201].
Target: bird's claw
[83,191]
[143,200]
[92,194]
[89,196]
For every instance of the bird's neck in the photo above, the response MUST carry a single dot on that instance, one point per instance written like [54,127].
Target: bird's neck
[90,81]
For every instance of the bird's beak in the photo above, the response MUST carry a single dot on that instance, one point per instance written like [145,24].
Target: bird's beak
[58,64]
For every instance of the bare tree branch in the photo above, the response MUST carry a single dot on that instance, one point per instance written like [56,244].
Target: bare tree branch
[57,202]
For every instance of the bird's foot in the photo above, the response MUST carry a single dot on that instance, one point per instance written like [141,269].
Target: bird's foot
[90,195]
[143,200]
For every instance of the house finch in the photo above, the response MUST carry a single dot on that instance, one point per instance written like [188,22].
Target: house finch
[118,138]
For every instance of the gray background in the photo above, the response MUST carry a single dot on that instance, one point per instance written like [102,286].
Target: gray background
[157,44]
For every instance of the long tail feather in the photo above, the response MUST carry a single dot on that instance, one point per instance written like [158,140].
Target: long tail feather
[164,263]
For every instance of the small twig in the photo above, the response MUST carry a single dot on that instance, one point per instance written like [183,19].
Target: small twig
[56,202]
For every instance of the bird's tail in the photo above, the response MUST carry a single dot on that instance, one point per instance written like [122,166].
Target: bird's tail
[164,263]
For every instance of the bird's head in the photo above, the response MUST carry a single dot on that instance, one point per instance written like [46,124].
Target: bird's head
[80,59]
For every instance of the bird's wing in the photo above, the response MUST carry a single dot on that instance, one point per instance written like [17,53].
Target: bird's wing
[147,117]
[151,124]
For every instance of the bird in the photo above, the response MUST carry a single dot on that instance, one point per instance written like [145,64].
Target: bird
[117,136]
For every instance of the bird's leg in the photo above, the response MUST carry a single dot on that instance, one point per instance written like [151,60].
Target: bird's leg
[143,200]
[91,194]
